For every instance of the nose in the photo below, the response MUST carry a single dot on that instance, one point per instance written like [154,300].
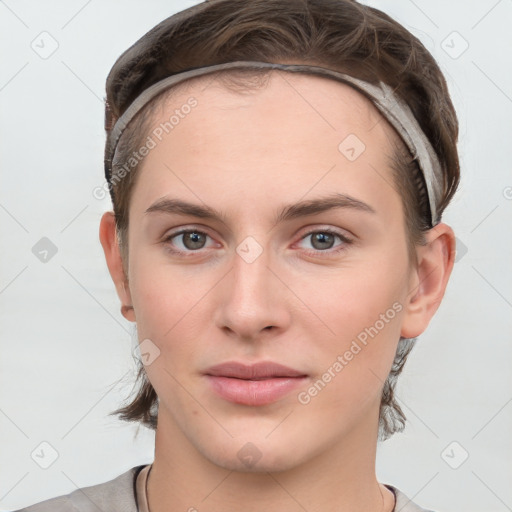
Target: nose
[251,300]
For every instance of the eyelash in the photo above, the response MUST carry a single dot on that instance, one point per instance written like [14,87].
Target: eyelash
[329,252]
[342,247]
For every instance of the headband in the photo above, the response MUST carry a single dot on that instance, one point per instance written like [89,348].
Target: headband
[394,109]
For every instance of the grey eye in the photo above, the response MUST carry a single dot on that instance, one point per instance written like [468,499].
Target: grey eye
[193,239]
[321,240]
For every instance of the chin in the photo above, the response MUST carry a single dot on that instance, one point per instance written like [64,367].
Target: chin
[258,456]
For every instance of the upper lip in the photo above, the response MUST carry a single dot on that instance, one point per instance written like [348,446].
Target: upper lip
[257,371]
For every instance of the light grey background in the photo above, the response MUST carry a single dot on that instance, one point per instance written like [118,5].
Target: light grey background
[65,359]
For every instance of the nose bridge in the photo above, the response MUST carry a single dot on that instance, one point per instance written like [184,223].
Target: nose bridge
[251,299]
[250,270]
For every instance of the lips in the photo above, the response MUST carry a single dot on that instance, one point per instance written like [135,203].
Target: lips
[258,371]
[257,384]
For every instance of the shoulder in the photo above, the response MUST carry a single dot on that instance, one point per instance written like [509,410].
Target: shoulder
[403,503]
[117,495]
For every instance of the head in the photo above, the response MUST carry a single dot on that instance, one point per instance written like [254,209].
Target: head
[338,294]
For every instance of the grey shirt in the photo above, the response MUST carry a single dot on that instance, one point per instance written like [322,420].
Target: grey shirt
[127,493]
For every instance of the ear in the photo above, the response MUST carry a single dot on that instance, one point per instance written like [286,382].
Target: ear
[429,279]
[110,244]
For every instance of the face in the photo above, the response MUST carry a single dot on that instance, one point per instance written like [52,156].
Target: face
[291,249]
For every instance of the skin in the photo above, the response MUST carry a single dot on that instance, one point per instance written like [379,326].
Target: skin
[247,156]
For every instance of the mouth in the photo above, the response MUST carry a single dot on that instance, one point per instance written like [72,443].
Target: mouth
[257,384]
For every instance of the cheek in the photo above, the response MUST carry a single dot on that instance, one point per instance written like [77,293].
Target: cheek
[355,300]
[170,304]
[170,312]
[352,371]
[361,311]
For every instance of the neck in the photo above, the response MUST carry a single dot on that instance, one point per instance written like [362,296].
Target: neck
[340,479]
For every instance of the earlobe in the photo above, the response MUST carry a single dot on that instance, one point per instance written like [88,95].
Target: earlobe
[110,244]
[429,280]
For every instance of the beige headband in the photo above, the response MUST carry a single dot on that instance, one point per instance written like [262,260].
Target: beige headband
[396,111]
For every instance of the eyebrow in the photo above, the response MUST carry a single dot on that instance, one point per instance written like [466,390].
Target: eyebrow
[289,212]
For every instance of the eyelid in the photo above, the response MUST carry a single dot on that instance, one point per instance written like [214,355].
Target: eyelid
[166,239]
[320,226]
[169,233]
[345,241]
[342,233]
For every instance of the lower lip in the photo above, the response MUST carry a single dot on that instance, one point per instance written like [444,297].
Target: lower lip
[254,392]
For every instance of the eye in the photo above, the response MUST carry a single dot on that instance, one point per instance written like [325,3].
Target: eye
[187,240]
[324,239]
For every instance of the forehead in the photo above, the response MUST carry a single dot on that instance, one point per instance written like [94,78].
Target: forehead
[325,96]
[277,101]
[284,135]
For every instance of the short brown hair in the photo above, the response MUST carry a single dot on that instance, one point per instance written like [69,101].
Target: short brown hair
[342,35]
